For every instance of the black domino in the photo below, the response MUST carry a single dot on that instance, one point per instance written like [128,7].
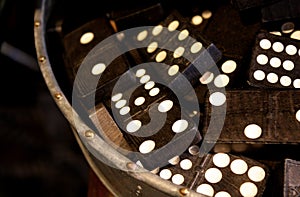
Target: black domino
[257,122]
[275,62]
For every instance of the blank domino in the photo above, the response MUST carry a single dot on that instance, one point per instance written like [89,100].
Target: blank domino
[281,10]
[139,15]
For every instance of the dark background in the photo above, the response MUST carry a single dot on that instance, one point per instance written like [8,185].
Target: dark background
[39,155]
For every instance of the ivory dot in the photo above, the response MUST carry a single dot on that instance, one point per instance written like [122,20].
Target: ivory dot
[193,113]
[165,174]
[174,161]
[252,131]
[262,59]
[298,115]
[256,173]
[173,70]
[221,160]
[265,44]
[278,47]
[133,126]
[291,49]
[157,30]
[87,38]
[154,91]
[165,106]
[194,150]
[140,72]
[222,194]
[221,80]
[177,179]
[248,189]
[206,78]
[287,27]
[186,164]
[147,146]
[296,83]
[288,65]
[196,47]
[229,66]
[205,189]
[139,101]
[277,33]
[275,62]
[178,52]
[142,35]
[238,166]
[217,98]
[213,175]
[206,14]
[179,126]
[120,104]
[139,163]
[98,69]
[116,97]
[259,75]
[149,85]
[145,79]
[183,35]
[197,20]
[161,56]
[173,25]
[285,81]
[124,110]
[295,35]
[152,47]
[155,171]
[272,77]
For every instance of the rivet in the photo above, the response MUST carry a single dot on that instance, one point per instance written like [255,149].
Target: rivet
[184,191]
[58,96]
[139,187]
[131,166]
[89,134]
[42,59]
[37,23]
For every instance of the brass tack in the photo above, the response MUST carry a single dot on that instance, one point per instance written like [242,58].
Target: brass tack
[42,59]
[58,96]
[89,134]
[37,23]
[184,191]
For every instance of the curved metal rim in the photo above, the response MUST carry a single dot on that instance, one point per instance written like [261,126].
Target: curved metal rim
[40,19]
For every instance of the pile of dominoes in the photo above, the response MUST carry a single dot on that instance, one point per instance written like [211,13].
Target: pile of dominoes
[204,94]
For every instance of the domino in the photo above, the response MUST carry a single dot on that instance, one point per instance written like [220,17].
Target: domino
[243,5]
[140,15]
[257,123]
[281,10]
[275,62]
[152,121]
[219,174]
[224,174]
[77,45]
